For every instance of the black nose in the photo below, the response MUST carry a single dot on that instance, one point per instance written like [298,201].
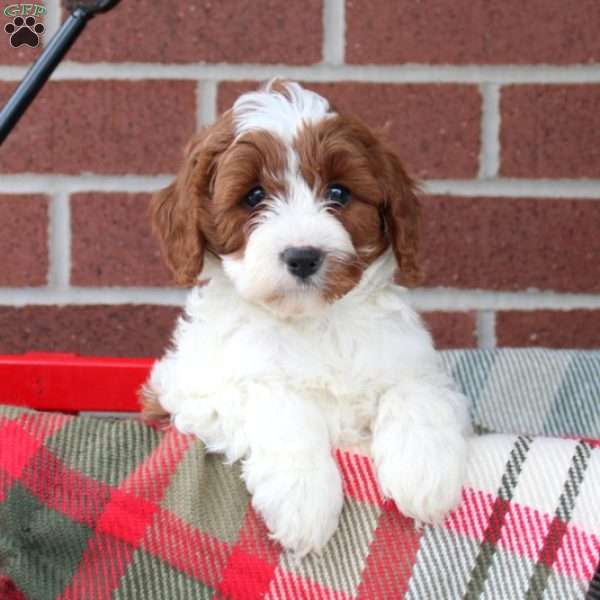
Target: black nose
[302,262]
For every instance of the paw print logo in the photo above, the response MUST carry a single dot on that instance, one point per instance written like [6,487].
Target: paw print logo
[24,31]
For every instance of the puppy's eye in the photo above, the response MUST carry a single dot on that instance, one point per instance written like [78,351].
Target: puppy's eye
[254,197]
[338,194]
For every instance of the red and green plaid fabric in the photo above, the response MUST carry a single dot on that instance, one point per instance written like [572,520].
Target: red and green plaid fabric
[92,509]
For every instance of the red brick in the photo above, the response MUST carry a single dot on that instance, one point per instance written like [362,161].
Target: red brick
[121,330]
[112,243]
[473,31]
[550,130]
[435,128]
[104,127]
[452,329]
[23,240]
[511,244]
[549,328]
[246,31]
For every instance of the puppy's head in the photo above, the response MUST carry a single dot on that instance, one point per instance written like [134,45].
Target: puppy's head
[294,199]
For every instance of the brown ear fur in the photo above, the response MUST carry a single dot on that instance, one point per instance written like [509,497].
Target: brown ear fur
[402,217]
[179,214]
[174,213]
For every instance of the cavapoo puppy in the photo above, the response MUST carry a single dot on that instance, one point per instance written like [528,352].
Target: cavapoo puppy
[301,219]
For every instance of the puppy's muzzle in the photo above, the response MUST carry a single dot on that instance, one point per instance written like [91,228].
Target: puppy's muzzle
[302,262]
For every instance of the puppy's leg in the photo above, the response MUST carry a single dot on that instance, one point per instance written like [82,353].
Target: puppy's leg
[420,447]
[289,470]
[287,461]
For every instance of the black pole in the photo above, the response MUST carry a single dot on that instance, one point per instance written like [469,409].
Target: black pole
[44,66]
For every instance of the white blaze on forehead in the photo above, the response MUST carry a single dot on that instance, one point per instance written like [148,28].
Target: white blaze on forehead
[278,113]
[300,218]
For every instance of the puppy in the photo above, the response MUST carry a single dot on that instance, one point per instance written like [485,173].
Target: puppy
[301,218]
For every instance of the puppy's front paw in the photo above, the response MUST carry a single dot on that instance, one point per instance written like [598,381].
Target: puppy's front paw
[423,474]
[300,501]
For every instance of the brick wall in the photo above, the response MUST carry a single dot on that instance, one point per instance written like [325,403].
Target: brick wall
[494,104]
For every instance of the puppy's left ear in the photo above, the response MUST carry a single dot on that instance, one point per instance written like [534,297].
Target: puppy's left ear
[401,215]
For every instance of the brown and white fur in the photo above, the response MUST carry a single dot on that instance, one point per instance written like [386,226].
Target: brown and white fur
[301,219]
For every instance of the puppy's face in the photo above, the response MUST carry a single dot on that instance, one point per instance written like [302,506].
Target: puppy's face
[294,199]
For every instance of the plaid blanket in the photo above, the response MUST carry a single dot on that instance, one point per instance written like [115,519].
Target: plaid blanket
[535,391]
[96,509]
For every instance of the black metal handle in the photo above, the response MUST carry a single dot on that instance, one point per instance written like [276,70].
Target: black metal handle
[44,66]
[104,5]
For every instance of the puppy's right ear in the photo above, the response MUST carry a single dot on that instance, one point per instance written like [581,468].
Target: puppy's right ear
[179,213]
[175,221]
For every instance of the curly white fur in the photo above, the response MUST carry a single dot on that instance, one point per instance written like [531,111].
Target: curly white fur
[279,394]
[264,370]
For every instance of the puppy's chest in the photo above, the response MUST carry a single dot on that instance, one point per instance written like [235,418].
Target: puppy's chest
[338,368]
[327,357]
[344,356]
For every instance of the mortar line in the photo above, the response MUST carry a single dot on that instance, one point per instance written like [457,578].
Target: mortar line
[489,157]
[405,73]
[80,296]
[51,20]
[486,329]
[206,98]
[37,183]
[516,188]
[59,242]
[492,300]
[334,32]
